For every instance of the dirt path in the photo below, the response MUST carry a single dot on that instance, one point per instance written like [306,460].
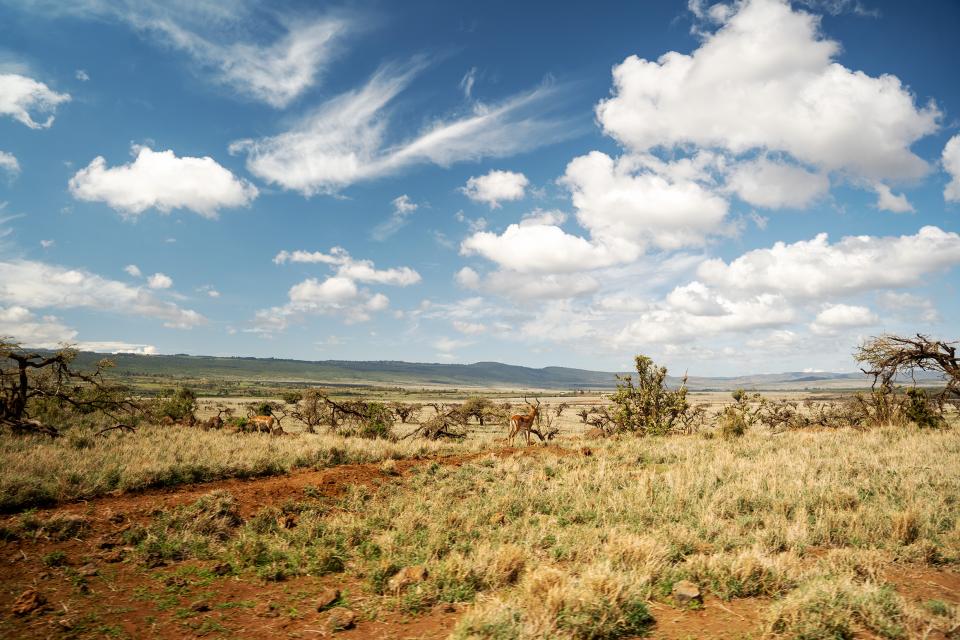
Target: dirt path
[92,592]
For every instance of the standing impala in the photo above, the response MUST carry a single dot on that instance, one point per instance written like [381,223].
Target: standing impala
[524,422]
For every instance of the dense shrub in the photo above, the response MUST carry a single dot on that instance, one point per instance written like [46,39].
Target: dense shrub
[646,406]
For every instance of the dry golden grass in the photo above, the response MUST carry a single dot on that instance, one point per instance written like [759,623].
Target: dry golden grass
[576,546]
[38,470]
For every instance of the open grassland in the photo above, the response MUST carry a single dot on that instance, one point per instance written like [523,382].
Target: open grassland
[39,471]
[805,534]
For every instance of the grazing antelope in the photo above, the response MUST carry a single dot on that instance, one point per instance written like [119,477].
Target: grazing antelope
[524,422]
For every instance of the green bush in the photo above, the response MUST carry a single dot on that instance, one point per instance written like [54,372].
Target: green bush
[178,404]
[647,407]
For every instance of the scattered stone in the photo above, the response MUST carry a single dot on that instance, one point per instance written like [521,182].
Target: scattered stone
[266,610]
[685,592]
[28,602]
[341,619]
[200,606]
[406,577]
[327,598]
[222,569]
[587,451]
[107,541]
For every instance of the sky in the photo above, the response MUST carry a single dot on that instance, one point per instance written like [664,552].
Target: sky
[730,188]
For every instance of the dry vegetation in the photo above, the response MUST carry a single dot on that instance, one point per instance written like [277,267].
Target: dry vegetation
[810,511]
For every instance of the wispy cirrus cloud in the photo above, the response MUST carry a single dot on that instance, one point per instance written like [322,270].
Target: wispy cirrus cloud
[348,139]
[226,39]
[22,98]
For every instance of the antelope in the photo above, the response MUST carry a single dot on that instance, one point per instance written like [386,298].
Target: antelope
[262,423]
[524,422]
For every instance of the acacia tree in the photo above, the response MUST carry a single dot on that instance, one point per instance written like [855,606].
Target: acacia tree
[33,383]
[888,356]
[477,407]
[310,409]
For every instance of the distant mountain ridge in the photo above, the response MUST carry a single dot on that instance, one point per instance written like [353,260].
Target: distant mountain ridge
[478,374]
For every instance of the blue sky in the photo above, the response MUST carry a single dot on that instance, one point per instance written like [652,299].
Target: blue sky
[538,185]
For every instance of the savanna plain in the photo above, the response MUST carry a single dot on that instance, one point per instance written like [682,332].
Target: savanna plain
[385,512]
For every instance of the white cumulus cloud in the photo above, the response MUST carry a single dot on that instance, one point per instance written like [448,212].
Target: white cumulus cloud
[767,79]
[889,201]
[951,164]
[816,268]
[337,295]
[774,184]
[161,180]
[159,281]
[496,186]
[38,285]
[544,248]
[349,267]
[842,316]
[25,327]
[621,200]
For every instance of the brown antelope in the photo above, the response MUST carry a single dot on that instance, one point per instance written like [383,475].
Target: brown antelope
[524,422]
[262,423]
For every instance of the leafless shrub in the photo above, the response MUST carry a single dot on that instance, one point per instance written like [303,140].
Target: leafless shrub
[406,411]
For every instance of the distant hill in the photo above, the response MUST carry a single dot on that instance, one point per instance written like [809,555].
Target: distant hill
[478,374]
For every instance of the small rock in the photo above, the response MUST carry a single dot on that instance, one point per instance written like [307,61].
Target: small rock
[685,592]
[326,598]
[28,602]
[222,569]
[406,577]
[106,542]
[266,610]
[200,606]
[88,570]
[587,451]
[341,619]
